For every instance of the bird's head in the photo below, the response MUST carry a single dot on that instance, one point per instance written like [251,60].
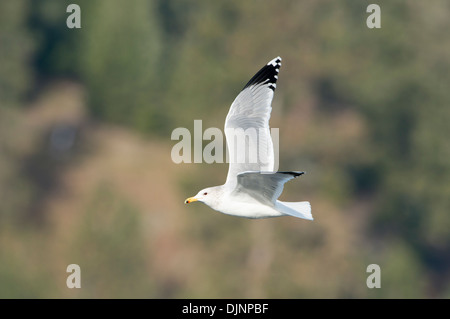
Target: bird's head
[208,196]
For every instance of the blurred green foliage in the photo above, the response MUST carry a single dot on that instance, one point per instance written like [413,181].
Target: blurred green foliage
[17,47]
[155,65]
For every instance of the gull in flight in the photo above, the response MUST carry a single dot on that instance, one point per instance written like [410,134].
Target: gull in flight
[252,187]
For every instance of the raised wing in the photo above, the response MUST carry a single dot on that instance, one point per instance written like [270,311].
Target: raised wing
[264,187]
[249,144]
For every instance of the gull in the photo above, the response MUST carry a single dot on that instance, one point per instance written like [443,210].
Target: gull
[252,187]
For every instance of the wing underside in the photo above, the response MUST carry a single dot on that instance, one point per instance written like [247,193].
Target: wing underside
[265,187]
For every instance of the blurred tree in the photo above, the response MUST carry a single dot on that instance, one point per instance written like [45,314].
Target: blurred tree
[118,54]
[397,83]
[16,49]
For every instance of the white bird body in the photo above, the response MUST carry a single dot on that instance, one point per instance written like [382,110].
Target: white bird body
[244,205]
[252,188]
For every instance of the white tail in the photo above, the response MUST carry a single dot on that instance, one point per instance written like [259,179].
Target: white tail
[296,209]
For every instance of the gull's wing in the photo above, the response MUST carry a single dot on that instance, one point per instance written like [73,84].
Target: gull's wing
[264,187]
[249,143]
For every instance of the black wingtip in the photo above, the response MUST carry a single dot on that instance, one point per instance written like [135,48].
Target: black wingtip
[295,174]
[267,75]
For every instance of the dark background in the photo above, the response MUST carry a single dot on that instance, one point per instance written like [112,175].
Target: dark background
[86,175]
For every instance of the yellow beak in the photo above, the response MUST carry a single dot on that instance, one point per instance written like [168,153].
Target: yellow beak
[190,200]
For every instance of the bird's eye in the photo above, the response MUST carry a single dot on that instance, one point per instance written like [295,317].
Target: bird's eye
[205,193]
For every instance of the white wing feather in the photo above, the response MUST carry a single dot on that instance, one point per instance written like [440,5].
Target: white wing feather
[249,115]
